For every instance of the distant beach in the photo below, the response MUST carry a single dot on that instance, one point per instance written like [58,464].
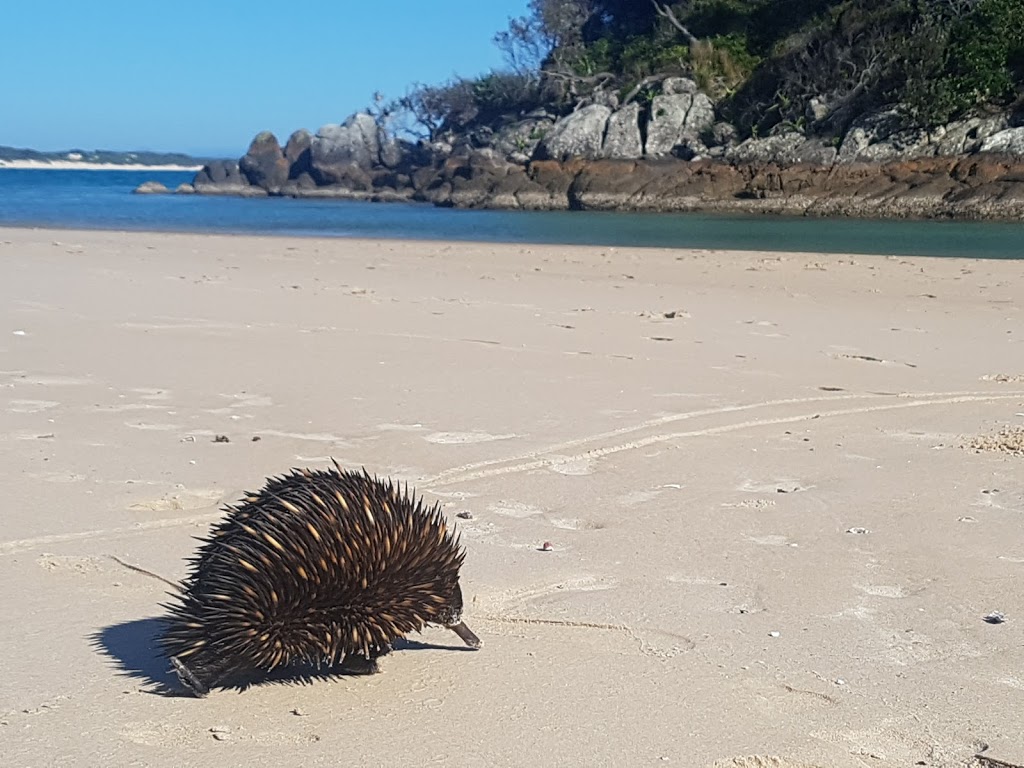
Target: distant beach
[75,165]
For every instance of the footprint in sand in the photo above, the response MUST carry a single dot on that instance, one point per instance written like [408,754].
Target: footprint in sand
[1002,499]
[30,406]
[456,495]
[241,400]
[59,477]
[749,504]
[400,427]
[151,393]
[882,590]
[126,407]
[636,498]
[76,563]
[772,540]
[575,524]
[179,501]
[152,427]
[249,400]
[661,644]
[319,437]
[761,761]
[464,438]
[44,380]
[514,509]
[782,485]
[572,465]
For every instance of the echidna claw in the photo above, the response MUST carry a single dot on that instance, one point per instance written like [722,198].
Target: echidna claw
[466,634]
[188,678]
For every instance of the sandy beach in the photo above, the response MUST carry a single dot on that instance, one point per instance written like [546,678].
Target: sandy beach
[82,165]
[781,492]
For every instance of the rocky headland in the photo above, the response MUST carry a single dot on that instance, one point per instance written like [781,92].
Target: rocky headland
[673,154]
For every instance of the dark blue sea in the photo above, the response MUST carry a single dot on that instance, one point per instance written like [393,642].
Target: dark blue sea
[104,200]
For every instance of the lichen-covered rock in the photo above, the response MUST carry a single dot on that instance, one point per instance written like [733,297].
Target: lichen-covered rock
[724,134]
[965,137]
[783,149]
[1009,142]
[882,136]
[622,140]
[677,119]
[580,134]
[518,142]
[674,86]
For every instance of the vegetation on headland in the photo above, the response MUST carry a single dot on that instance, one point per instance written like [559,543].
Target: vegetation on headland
[812,66]
[101,157]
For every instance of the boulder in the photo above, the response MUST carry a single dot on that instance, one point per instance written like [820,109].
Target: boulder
[580,134]
[965,137]
[352,149]
[1008,142]
[817,109]
[622,140]
[297,153]
[518,141]
[354,141]
[881,136]
[724,134]
[390,152]
[264,164]
[151,188]
[675,86]
[677,119]
[784,149]
[184,189]
[221,177]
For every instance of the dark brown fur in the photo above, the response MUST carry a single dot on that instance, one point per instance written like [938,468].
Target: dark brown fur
[324,568]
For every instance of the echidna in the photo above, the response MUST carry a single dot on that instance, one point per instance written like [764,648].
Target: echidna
[321,567]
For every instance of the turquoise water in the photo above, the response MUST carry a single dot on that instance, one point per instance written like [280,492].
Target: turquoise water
[103,200]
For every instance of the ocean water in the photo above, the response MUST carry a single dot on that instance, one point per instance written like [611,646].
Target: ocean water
[104,200]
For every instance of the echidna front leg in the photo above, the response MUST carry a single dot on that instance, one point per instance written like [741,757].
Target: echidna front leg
[201,672]
[358,664]
[188,678]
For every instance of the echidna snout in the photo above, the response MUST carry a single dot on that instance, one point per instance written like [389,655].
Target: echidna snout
[322,568]
[451,617]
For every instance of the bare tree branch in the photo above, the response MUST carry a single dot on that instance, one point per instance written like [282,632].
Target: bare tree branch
[665,11]
[649,80]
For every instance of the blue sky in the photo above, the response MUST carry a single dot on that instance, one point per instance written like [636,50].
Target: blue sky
[204,76]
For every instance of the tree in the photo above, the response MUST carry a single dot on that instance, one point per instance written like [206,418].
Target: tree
[549,37]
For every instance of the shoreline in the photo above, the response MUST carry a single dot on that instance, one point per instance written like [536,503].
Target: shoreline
[984,186]
[73,165]
[991,252]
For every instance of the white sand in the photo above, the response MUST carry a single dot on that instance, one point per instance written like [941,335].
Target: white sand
[697,477]
[78,165]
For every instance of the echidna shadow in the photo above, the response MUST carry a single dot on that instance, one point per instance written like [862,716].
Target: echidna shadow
[133,648]
[321,572]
